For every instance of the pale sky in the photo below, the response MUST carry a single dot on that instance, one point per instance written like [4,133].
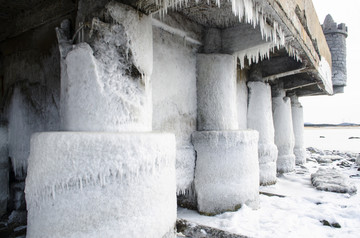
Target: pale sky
[341,107]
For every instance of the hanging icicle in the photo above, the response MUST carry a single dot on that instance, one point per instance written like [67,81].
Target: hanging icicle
[251,13]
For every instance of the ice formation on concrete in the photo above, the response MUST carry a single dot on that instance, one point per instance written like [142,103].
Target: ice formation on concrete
[113,75]
[216,84]
[254,54]
[248,12]
[227,170]
[185,169]
[284,134]
[260,118]
[4,168]
[325,72]
[23,121]
[114,184]
[174,99]
[298,128]
[332,180]
[242,100]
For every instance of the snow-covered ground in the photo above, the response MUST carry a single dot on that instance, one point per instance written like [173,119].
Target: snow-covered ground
[301,210]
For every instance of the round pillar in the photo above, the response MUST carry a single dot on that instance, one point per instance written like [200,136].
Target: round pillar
[298,127]
[227,170]
[216,91]
[260,118]
[284,134]
[226,173]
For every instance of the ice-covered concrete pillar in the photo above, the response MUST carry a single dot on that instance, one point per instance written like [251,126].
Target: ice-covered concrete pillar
[112,178]
[4,168]
[298,127]
[260,118]
[284,134]
[226,173]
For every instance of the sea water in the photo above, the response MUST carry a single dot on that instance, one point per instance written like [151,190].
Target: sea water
[333,138]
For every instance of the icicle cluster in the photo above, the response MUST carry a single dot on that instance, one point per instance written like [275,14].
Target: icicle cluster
[250,13]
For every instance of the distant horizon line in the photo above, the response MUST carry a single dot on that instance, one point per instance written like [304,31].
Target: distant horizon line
[309,124]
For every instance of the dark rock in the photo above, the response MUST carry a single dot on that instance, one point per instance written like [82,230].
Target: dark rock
[194,230]
[326,223]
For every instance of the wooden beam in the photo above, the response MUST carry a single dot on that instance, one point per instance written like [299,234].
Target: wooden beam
[287,73]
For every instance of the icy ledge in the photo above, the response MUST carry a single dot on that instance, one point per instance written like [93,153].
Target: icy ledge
[101,185]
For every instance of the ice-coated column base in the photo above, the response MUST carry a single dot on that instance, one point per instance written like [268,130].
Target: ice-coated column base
[298,126]
[260,118]
[101,185]
[267,166]
[185,168]
[227,170]
[284,135]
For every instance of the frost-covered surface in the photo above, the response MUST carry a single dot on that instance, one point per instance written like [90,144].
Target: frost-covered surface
[107,86]
[4,168]
[216,92]
[300,213]
[242,100]
[101,184]
[298,128]
[174,99]
[23,121]
[260,118]
[325,72]
[185,168]
[248,11]
[284,134]
[332,180]
[227,172]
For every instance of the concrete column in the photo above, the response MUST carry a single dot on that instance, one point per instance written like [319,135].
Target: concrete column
[284,134]
[298,127]
[242,99]
[226,173]
[260,118]
[4,168]
[114,177]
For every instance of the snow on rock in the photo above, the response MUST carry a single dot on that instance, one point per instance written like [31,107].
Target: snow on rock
[216,89]
[4,168]
[106,86]
[284,134]
[101,185]
[332,180]
[358,160]
[260,118]
[227,170]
